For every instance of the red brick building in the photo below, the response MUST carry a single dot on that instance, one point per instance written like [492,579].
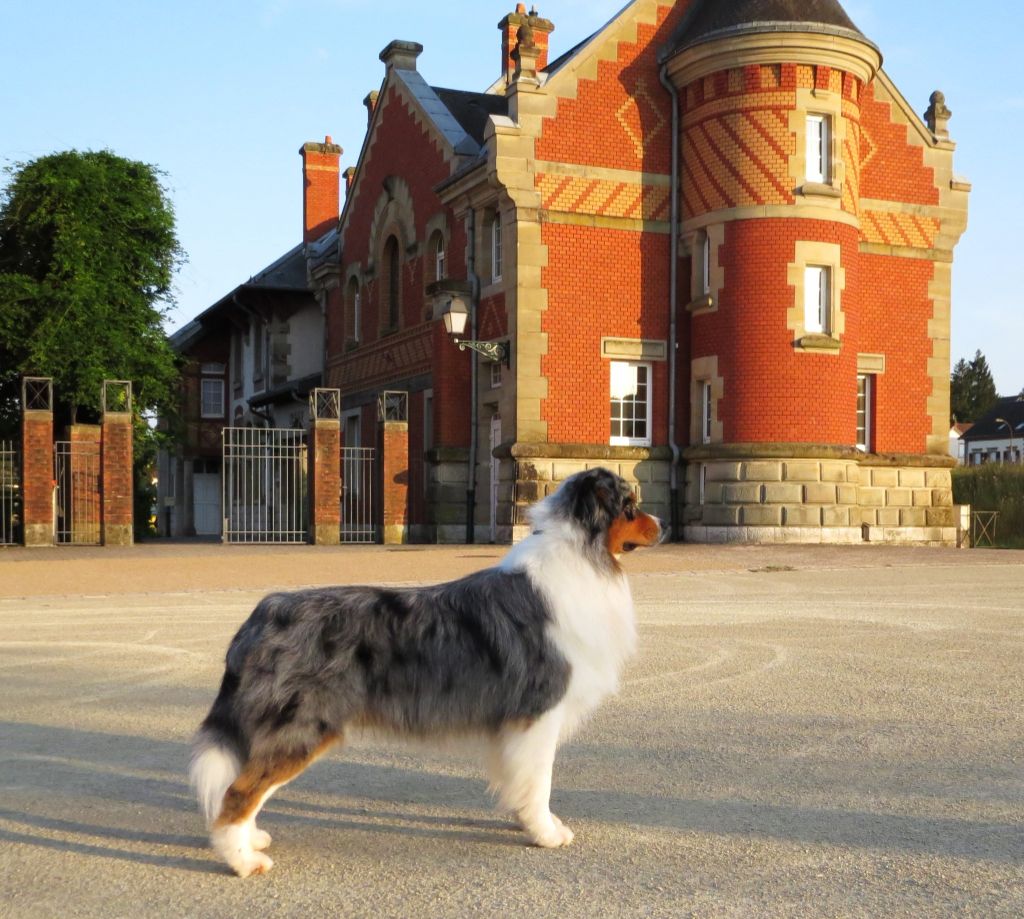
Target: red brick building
[717,242]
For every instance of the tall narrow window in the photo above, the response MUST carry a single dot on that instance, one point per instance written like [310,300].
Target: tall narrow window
[817,299]
[353,304]
[705,270]
[865,411]
[212,397]
[392,278]
[630,404]
[439,265]
[819,149]
[706,411]
[496,248]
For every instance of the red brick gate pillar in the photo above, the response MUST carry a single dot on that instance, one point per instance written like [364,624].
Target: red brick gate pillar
[325,481]
[37,477]
[117,477]
[393,451]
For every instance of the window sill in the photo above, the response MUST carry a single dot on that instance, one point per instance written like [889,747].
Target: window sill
[820,190]
[818,342]
[629,442]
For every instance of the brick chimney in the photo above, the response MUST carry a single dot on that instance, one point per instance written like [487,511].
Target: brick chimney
[320,191]
[510,26]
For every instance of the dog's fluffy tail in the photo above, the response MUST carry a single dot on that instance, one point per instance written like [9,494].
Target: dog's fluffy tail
[217,752]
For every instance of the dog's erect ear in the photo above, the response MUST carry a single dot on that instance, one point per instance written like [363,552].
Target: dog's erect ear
[596,500]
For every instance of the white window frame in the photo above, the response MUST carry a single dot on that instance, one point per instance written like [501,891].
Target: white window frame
[818,299]
[620,440]
[819,149]
[496,251]
[865,413]
[219,383]
[707,411]
[495,374]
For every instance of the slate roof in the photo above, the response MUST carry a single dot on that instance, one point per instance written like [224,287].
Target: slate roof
[472,110]
[711,19]
[1011,409]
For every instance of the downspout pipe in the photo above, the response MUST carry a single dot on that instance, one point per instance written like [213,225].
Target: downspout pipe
[474,302]
[673,348]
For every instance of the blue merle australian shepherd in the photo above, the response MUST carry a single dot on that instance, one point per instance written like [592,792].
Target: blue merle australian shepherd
[518,654]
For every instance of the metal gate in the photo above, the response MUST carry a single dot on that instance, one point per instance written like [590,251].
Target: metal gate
[357,487]
[76,471]
[10,494]
[264,476]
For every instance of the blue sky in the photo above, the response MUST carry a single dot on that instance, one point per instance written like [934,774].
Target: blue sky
[220,95]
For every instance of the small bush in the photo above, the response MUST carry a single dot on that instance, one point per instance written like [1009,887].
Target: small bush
[994,487]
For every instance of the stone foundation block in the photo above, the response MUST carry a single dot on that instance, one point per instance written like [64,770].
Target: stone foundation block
[871,497]
[762,516]
[942,497]
[835,516]
[941,516]
[834,472]
[899,497]
[938,478]
[802,472]
[912,478]
[885,478]
[762,472]
[721,515]
[888,516]
[846,494]
[801,516]
[913,517]
[783,493]
[820,494]
[742,494]
[724,472]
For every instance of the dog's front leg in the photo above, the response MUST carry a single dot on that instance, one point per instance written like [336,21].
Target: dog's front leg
[526,759]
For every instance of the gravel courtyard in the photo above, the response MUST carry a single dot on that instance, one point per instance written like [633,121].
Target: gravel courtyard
[805,732]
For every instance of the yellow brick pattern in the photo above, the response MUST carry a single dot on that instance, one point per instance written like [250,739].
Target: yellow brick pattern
[893,229]
[603,197]
[738,157]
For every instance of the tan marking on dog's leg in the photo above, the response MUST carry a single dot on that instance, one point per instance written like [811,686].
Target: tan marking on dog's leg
[234,835]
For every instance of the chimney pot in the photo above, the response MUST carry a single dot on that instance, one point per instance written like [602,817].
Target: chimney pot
[535,26]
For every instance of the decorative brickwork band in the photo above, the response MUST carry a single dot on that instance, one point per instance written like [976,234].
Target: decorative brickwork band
[393,437]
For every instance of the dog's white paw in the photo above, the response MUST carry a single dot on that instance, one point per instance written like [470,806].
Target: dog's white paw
[553,835]
[245,864]
[260,839]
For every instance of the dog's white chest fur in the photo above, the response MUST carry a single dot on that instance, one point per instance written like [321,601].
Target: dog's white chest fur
[593,621]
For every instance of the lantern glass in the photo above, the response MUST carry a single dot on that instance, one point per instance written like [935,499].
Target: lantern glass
[455,316]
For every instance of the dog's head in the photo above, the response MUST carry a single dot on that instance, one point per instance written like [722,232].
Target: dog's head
[603,509]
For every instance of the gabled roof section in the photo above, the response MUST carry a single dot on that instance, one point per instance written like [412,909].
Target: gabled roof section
[445,122]
[708,20]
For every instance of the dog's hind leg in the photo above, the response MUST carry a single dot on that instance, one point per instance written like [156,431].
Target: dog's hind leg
[526,757]
[234,836]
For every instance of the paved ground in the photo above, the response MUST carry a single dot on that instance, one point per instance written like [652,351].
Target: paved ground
[807,732]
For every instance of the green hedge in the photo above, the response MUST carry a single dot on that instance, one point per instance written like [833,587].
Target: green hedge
[994,487]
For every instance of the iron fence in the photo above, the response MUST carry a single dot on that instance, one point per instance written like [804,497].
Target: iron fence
[77,475]
[264,479]
[10,494]
[358,479]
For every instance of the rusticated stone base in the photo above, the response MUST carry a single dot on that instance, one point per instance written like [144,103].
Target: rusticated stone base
[808,494]
[530,472]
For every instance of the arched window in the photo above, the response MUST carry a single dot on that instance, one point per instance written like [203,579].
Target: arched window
[391,277]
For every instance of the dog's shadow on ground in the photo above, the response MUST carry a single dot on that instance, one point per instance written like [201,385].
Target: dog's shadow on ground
[141,783]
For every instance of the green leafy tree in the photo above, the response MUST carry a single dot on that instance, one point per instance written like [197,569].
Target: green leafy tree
[88,252]
[972,389]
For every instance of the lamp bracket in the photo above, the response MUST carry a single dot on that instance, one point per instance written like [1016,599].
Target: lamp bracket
[497,352]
